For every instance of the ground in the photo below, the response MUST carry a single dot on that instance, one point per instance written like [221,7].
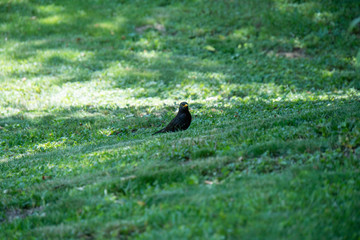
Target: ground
[273,150]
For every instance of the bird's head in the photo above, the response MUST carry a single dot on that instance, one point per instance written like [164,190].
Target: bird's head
[184,106]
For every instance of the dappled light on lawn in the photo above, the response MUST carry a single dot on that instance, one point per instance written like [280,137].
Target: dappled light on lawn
[272,150]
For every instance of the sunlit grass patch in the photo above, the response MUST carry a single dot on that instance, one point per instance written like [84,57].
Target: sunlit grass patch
[52,20]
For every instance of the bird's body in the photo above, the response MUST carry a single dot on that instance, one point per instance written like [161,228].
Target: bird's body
[180,122]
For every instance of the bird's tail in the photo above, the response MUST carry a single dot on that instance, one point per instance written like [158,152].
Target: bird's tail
[160,131]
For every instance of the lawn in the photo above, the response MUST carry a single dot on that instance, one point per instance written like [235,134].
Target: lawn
[273,151]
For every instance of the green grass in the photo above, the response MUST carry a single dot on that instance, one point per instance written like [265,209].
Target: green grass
[273,150]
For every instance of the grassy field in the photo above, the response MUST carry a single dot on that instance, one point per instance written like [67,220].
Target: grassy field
[273,150]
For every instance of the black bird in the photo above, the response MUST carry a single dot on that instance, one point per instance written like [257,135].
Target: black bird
[180,122]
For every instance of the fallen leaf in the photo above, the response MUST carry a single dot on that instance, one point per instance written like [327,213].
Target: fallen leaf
[158,27]
[141,203]
[210,48]
[128,177]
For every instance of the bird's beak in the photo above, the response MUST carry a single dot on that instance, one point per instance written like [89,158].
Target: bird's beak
[185,105]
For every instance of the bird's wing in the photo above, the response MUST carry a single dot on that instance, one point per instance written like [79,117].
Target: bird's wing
[170,127]
[176,123]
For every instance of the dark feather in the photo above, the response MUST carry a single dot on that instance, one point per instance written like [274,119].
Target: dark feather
[181,121]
